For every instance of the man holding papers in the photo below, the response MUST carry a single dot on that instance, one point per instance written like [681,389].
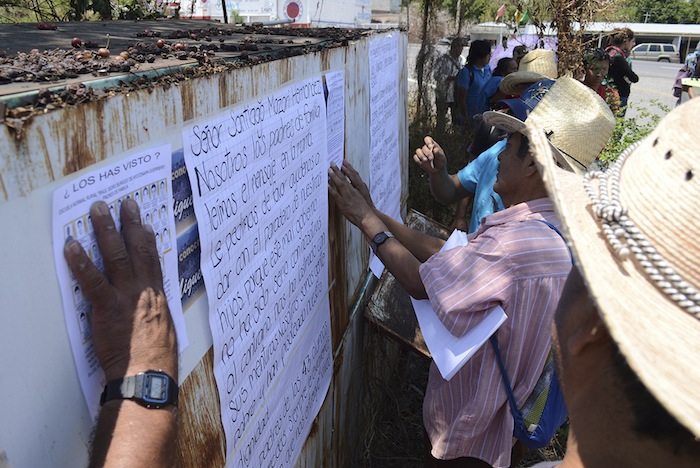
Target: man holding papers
[515,260]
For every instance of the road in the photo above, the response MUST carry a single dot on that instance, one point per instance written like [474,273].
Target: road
[655,83]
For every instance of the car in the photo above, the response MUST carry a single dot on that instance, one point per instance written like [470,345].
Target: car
[656,52]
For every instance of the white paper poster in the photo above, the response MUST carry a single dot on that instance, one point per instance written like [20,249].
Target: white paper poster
[335,112]
[384,168]
[259,180]
[145,177]
[449,352]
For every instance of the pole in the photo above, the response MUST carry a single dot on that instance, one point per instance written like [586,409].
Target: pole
[223,7]
[458,13]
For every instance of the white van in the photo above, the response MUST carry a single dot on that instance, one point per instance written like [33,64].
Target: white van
[656,52]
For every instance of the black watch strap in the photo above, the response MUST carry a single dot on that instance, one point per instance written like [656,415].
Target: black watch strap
[379,239]
[152,389]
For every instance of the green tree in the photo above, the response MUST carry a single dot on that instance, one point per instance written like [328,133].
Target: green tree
[465,10]
[658,11]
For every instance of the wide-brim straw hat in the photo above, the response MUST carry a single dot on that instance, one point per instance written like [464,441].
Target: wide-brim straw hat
[540,61]
[577,122]
[659,187]
[510,84]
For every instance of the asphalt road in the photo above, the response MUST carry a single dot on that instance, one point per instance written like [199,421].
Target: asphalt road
[655,83]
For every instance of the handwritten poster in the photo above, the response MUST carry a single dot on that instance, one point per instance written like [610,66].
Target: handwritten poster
[335,112]
[384,167]
[144,177]
[259,181]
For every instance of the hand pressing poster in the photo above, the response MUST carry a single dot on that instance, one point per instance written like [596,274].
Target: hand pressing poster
[259,181]
[144,177]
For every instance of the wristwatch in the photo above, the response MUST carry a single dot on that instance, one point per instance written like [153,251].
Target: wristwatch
[152,389]
[379,239]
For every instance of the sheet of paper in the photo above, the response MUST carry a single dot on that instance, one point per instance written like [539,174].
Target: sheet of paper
[335,112]
[145,177]
[695,82]
[188,245]
[449,352]
[384,168]
[259,182]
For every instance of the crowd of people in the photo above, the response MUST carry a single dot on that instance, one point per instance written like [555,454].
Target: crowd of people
[598,267]
[576,257]
[469,88]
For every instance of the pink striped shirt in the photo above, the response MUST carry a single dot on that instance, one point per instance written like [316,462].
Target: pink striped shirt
[521,264]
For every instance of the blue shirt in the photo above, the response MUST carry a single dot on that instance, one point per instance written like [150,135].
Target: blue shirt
[473,90]
[488,90]
[478,178]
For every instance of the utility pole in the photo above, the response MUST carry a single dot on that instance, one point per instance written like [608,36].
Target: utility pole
[458,13]
[646,17]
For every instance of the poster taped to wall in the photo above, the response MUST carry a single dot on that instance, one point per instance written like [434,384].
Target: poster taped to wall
[259,183]
[145,178]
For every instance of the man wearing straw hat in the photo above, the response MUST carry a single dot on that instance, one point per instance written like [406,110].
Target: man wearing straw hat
[578,119]
[627,326]
[514,260]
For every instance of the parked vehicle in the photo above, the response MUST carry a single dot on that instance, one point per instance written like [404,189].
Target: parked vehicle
[656,52]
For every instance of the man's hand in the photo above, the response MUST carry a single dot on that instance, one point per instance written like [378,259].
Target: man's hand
[131,324]
[356,181]
[350,196]
[431,158]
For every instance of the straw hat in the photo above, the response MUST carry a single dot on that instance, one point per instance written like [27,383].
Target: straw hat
[659,187]
[576,120]
[522,106]
[540,61]
[510,84]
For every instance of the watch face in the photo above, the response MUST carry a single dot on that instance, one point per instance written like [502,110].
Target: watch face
[156,386]
[380,238]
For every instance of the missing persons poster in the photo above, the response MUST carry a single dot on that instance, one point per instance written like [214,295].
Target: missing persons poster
[145,178]
[259,184]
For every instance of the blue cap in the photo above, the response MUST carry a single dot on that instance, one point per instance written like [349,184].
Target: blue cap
[526,103]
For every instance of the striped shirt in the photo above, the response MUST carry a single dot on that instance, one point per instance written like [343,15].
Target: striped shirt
[521,264]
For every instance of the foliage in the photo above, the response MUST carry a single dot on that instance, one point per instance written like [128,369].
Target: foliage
[630,130]
[657,11]
[15,11]
[18,11]
[234,17]
[469,10]
[130,10]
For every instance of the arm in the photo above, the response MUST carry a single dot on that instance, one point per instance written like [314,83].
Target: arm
[421,245]
[461,100]
[626,70]
[460,222]
[446,188]
[461,90]
[352,199]
[133,332]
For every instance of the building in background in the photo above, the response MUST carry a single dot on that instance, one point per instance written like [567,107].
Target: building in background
[684,36]
[302,13]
